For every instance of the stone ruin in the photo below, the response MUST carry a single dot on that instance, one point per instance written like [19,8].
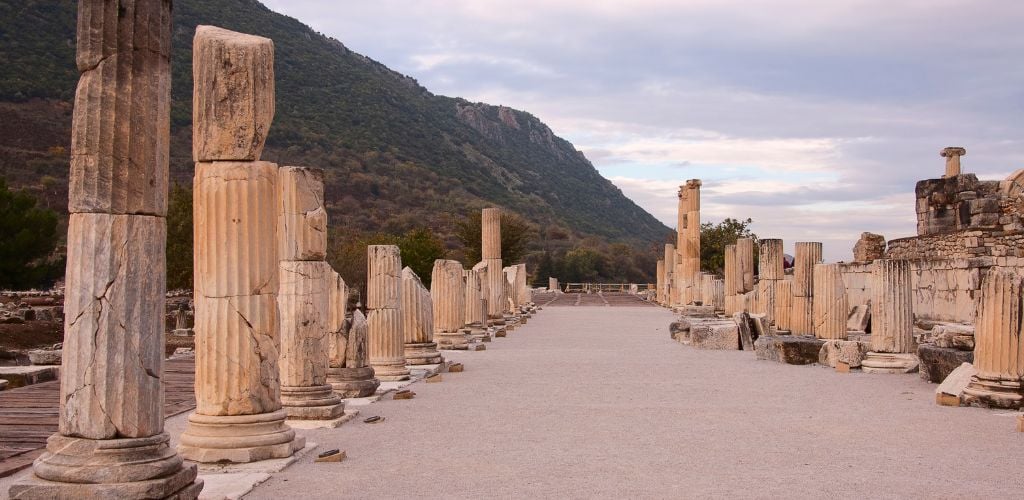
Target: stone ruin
[930,303]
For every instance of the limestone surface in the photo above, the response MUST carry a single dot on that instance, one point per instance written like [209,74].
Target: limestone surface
[233,102]
[302,218]
[830,302]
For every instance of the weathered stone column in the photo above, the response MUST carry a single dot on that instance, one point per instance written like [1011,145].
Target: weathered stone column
[952,156]
[304,296]
[384,301]
[553,283]
[671,293]
[807,255]
[110,441]
[449,306]
[745,264]
[659,296]
[830,303]
[892,319]
[348,371]
[418,322]
[476,306]
[731,280]
[490,228]
[783,311]
[690,249]
[770,272]
[718,295]
[238,415]
[999,350]
[525,296]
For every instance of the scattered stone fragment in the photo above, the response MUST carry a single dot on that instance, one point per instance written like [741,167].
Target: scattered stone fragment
[404,394]
[432,379]
[456,368]
[948,393]
[376,419]
[331,456]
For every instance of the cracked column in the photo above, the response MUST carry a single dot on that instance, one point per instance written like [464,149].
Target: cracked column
[998,351]
[670,292]
[952,156]
[348,371]
[418,322]
[659,295]
[770,272]
[238,415]
[384,301]
[806,256]
[830,308]
[304,296]
[476,305]
[688,242]
[449,307]
[490,251]
[892,319]
[745,265]
[110,441]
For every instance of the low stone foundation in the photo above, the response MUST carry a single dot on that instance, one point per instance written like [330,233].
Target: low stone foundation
[789,349]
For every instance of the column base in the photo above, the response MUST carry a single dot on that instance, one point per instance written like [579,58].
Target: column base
[496,321]
[989,392]
[391,371]
[479,333]
[239,438]
[452,341]
[885,362]
[311,403]
[353,382]
[424,353]
[109,468]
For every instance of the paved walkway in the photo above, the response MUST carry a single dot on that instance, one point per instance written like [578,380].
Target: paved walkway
[599,402]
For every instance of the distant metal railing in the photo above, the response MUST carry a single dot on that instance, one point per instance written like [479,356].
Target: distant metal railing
[607,287]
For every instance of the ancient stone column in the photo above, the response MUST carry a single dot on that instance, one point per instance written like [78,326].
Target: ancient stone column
[490,228]
[690,265]
[384,302]
[238,415]
[999,350]
[348,371]
[476,306]
[745,264]
[110,441]
[892,319]
[770,271]
[418,327]
[807,255]
[304,296]
[952,156]
[731,279]
[525,296]
[830,306]
[671,292]
[511,282]
[449,306]
[659,295]
[783,305]
[718,295]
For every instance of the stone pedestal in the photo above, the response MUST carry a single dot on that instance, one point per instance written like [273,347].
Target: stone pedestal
[110,440]
[418,322]
[892,319]
[830,303]
[349,373]
[448,295]
[999,351]
[384,300]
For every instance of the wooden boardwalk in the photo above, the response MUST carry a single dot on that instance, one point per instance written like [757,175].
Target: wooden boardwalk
[28,415]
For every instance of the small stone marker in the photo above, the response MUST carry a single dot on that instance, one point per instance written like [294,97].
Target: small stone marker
[404,394]
[433,378]
[456,368]
[500,333]
[479,347]
[376,419]
[331,456]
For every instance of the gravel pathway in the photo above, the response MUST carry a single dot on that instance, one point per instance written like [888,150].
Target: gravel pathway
[599,402]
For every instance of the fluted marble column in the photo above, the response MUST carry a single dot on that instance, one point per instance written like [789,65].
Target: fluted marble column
[807,255]
[490,228]
[418,321]
[449,304]
[304,296]
[671,293]
[476,306]
[783,312]
[892,319]
[384,322]
[999,350]
[238,415]
[745,264]
[830,306]
[110,440]
[730,281]
[348,370]
[659,295]
[770,272]
[718,294]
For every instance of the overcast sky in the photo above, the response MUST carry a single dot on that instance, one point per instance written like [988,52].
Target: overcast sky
[814,118]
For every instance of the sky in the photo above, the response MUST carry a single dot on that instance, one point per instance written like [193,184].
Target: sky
[813,118]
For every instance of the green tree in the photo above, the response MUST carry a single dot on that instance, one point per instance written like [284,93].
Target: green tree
[583,265]
[420,248]
[28,237]
[179,238]
[715,237]
[516,235]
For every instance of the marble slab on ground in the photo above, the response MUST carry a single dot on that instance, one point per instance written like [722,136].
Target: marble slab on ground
[267,466]
[230,486]
[416,373]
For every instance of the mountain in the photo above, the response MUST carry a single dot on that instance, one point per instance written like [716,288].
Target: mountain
[396,155]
